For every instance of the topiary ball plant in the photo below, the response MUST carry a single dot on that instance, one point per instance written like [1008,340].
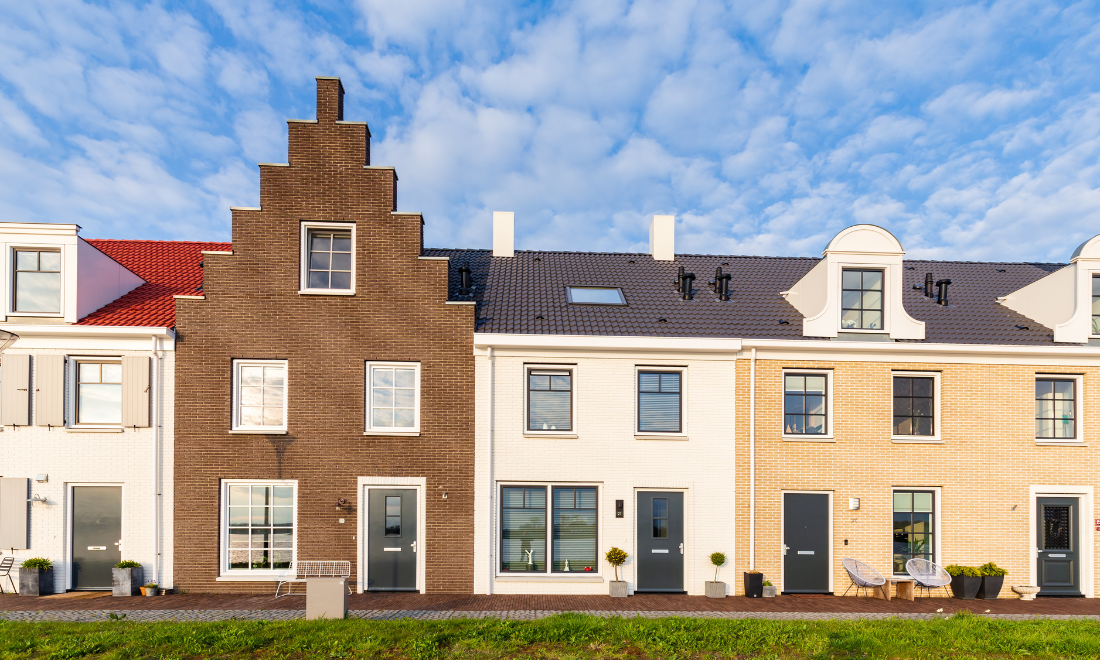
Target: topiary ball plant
[992,569]
[717,558]
[616,557]
[37,562]
[127,563]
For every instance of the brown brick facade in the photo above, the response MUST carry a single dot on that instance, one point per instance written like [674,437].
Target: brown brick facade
[253,309]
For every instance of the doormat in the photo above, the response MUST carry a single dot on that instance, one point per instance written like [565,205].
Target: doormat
[80,594]
[813,595]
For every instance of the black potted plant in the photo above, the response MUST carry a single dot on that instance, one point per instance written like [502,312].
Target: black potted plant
[965,581]
[126,578]
[993,578]
[36,577]
[754,584]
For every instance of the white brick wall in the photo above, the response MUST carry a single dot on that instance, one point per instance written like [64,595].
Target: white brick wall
[607,453]
[73,458]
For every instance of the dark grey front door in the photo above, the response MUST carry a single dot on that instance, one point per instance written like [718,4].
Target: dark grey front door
[97,535]
[661,542]
[806,543]
[391,540]
[1059,551]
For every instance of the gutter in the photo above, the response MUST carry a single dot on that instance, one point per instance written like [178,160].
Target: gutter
[752,462]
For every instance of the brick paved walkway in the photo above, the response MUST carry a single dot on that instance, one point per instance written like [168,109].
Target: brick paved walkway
[210,607]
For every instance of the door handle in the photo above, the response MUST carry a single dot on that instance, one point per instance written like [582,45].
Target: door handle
[413,545]
[681,548]
[785,548]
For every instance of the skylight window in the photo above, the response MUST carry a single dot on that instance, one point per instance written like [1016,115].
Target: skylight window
[595,295]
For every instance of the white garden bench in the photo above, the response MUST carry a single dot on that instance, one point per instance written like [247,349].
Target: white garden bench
[300,571]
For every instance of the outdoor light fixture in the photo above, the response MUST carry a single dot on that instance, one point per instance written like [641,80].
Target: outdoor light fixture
[853,503]
[444,495]
[341,503]
[42,478]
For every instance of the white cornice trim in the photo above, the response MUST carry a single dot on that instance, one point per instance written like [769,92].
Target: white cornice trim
[86,331]
[588,342]
[895,349]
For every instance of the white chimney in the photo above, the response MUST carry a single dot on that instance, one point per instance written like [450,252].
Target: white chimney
[662,238]
[504,234]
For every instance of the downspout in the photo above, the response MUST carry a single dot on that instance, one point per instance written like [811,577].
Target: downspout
[489,473]
[156,460]
[752,462]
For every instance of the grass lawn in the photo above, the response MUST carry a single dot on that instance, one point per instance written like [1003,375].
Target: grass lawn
[559,637]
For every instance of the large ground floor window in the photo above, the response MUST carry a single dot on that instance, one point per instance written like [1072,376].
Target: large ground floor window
[914,527]
[259,523]
[569,523]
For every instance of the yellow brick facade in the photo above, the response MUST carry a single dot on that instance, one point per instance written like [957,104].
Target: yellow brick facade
[987,464]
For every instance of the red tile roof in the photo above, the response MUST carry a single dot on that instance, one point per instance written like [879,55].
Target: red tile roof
[169,268]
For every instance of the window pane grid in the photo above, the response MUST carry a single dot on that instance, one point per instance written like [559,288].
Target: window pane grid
[805,404]
[574,533]
[861,300]
[98,392]
[913,533]
[1055,416]
[260,520]
[659,401]
[1096,304]
[913,405]
[329,259]
[261,395]
[549,400]
[523,529]
[38,281]
[393,397]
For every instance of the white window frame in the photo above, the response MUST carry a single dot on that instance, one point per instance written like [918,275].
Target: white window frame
[73,387]
[549,574]
[937,503]
[682,433]
[886,271]
[368,417]
[303,259]
[40,247]
[830,416]
[937,432]
[236,411]
[227,574]
[574,421]
[1078,407]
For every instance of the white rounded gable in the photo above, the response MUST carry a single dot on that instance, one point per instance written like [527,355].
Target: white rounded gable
[865,238]
[1090,249]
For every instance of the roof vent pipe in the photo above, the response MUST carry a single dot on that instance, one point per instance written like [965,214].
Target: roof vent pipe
[464,285]
[928,285]
[662,237]
[941,291]
[689,280]
[680,279]
[504,234]
[723,286]
[717,276]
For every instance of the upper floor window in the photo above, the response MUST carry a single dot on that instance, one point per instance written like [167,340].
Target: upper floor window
[805,404]
[1055,408]
[659,402]
[37,286]
[394,396]
[260,395]
[549,400]
[1096,304]
[98,392]
[861,300]
[914,405]
[328,257]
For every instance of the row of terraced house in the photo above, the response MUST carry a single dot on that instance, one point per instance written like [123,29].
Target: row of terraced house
[492,421]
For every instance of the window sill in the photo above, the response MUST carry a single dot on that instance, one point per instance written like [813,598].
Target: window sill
[530,434]
[808,438]
[324,292]
[263,577]
[258,431]
[410,434]
[658,436]
[912,440]
[94,429]
[546,577]
[1061,443]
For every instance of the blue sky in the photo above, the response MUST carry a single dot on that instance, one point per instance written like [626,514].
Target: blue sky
[972,131]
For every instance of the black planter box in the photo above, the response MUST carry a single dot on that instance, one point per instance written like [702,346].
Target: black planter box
[965,586]
[754,585]
[35,581]
[991,586]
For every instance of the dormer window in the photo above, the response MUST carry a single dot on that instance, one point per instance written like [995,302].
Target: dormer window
[1096,304]
[37,285]
[861,300]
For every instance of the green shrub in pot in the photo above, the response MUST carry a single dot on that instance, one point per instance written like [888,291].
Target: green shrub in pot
[965,581]
[993,578]
[36,577]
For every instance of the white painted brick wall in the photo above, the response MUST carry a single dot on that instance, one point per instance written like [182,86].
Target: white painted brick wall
[81,458]
[607,453]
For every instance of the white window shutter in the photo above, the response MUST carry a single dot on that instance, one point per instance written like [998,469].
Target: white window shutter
[49,390]
[135,391]
[13,512]
[15,401]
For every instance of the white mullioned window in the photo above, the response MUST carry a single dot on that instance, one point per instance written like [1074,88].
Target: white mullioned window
[259,395]
[36,281]
[259,520]
[328,258]
[393,397]
[98,391]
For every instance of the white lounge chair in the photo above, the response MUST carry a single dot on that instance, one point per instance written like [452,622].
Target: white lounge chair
[928,575]
[863,576]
